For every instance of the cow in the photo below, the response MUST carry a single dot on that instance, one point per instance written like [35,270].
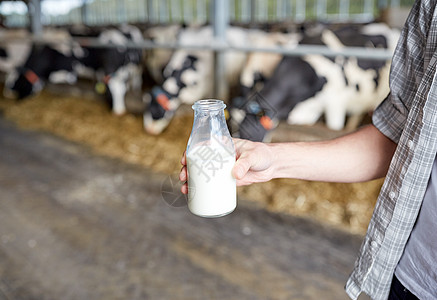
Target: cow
[366,80]
[259,67]
[21,81]
[304,88]
[189,75]
[157,59]
[119,67]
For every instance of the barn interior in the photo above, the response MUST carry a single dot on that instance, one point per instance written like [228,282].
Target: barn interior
[90,200]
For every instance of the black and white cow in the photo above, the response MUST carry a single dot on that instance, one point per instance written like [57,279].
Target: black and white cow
[189,75]
[118,67]
[304,88]
[259,67]
[278,97]
[16,85]
[157,59]
[365,82]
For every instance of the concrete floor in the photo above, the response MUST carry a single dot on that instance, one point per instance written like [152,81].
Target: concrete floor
[74,225]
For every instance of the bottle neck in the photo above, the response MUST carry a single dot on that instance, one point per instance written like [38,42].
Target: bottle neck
[209,126]
[209,106]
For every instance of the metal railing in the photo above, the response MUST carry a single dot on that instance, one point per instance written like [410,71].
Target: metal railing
[219,15]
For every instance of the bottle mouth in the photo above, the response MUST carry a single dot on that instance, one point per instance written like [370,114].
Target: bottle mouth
[208,104]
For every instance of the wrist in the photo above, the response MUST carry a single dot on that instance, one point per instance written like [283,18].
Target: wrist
[275,154]
[285,160]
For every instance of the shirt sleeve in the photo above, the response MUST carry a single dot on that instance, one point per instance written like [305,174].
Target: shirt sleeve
[389,118]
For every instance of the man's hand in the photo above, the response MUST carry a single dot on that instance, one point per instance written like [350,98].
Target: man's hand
[183,176]
[253,164]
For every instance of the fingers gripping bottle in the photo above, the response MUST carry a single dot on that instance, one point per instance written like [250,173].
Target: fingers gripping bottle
[210,158]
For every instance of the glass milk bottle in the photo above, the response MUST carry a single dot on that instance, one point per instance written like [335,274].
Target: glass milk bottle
[210,158]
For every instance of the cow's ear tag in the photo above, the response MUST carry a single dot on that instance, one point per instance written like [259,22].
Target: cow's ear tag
[266,122]
[31,76]
[100,87]
[163,100]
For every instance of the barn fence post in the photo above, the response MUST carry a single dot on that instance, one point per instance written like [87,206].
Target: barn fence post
[84,12]
[151,14]
[300,10]
[163,12]
[252,11]
[121,12]
[344,13]
[35,17]
[220,20]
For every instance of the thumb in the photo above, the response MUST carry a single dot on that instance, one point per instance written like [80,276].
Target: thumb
[241,167]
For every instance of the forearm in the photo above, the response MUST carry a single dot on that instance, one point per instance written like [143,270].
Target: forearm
[360,156]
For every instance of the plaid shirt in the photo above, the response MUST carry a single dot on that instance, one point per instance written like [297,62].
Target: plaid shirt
[408,116]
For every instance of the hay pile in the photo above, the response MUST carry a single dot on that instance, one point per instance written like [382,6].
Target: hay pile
[88,121]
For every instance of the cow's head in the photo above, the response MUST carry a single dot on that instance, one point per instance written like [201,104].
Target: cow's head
[256,118]
[160,108]
[183,78]
[44,63]
[22,83]
[255,128]
[180,83]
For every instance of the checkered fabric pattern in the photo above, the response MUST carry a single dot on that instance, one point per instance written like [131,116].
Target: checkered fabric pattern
[408,116]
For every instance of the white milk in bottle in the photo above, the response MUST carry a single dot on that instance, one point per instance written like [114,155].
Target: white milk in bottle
[212,188]
[210,159]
